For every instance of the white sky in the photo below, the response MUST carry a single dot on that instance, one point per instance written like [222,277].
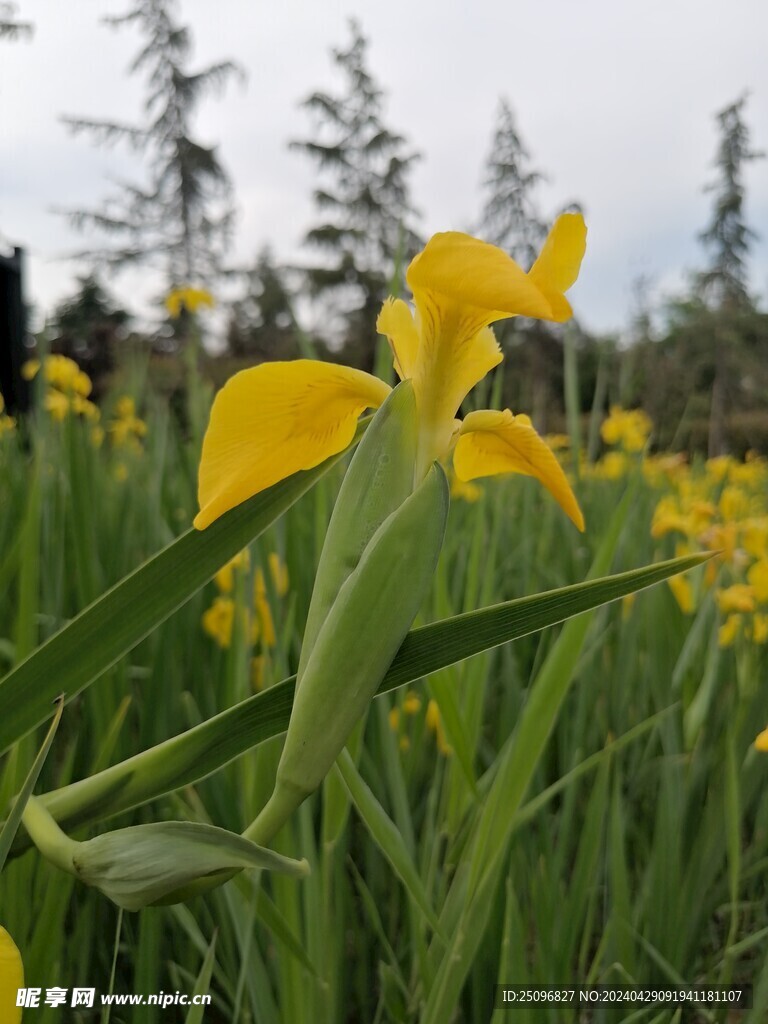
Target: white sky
[614,99]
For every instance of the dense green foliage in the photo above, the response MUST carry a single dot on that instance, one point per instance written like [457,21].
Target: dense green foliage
[613,849]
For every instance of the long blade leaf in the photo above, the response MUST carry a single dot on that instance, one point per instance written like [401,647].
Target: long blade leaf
[192,755]
[107,629]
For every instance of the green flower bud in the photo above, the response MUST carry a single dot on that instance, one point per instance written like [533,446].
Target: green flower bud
[360,636]
[155,863]
[379,479]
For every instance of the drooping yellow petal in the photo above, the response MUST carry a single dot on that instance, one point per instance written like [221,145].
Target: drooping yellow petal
[497,442]
[11,978]
[274,420]
[558,263]
[396,323]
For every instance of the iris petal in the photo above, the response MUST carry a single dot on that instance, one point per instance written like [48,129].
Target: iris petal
[497,442]
[276,419]
[11,978]
[396,323]
[558,263]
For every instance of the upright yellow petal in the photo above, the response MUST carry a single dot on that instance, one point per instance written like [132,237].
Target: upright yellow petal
[557,266]
[271,421]
[11,979]
[497,442]
[443,379]
[396,323]
[478,276]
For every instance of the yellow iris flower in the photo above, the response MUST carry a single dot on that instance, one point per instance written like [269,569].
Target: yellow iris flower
[187,298]
[275,419]
[11,978]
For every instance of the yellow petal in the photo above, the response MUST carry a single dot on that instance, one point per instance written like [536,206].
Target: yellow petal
[497,442]
[396,323]
[447,369]
[475,274]
[11,978]
[557,266]
[271,421]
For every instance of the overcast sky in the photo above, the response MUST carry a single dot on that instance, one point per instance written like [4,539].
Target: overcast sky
[614,99]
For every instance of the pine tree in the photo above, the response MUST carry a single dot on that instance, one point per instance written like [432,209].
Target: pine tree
[367,237]
[727,236]
[87,328]
[10,26]
[723,286]
[510,217]
[181,218]
[262,325]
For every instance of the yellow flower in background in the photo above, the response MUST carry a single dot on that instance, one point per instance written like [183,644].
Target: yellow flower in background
[722,538]
[258,671]
[263,610]
[11,978]
[411,703]
[68,388]
[728,632]
[434,723]
[755,537]
[734,504]
[279,573]
[719,467]
[612,466]
[190,299]
[683,592]
[57,404]
[30,369]
[63,373]
[757,577]
[665,468]
[225,577]
[7,423]
[126,430]
[278,418]
[737,598]
[760,628]
[84,408]
[558,442]
[629,428]
[465,490]
[218,620]
[761,742]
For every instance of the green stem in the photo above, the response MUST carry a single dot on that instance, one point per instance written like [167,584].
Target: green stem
[277,810]
[54,844]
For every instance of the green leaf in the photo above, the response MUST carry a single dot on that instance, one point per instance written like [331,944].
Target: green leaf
[107,629]
[203,983]
[378,481]
[360,637]
[11,824]
[192,755]
[387,837]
